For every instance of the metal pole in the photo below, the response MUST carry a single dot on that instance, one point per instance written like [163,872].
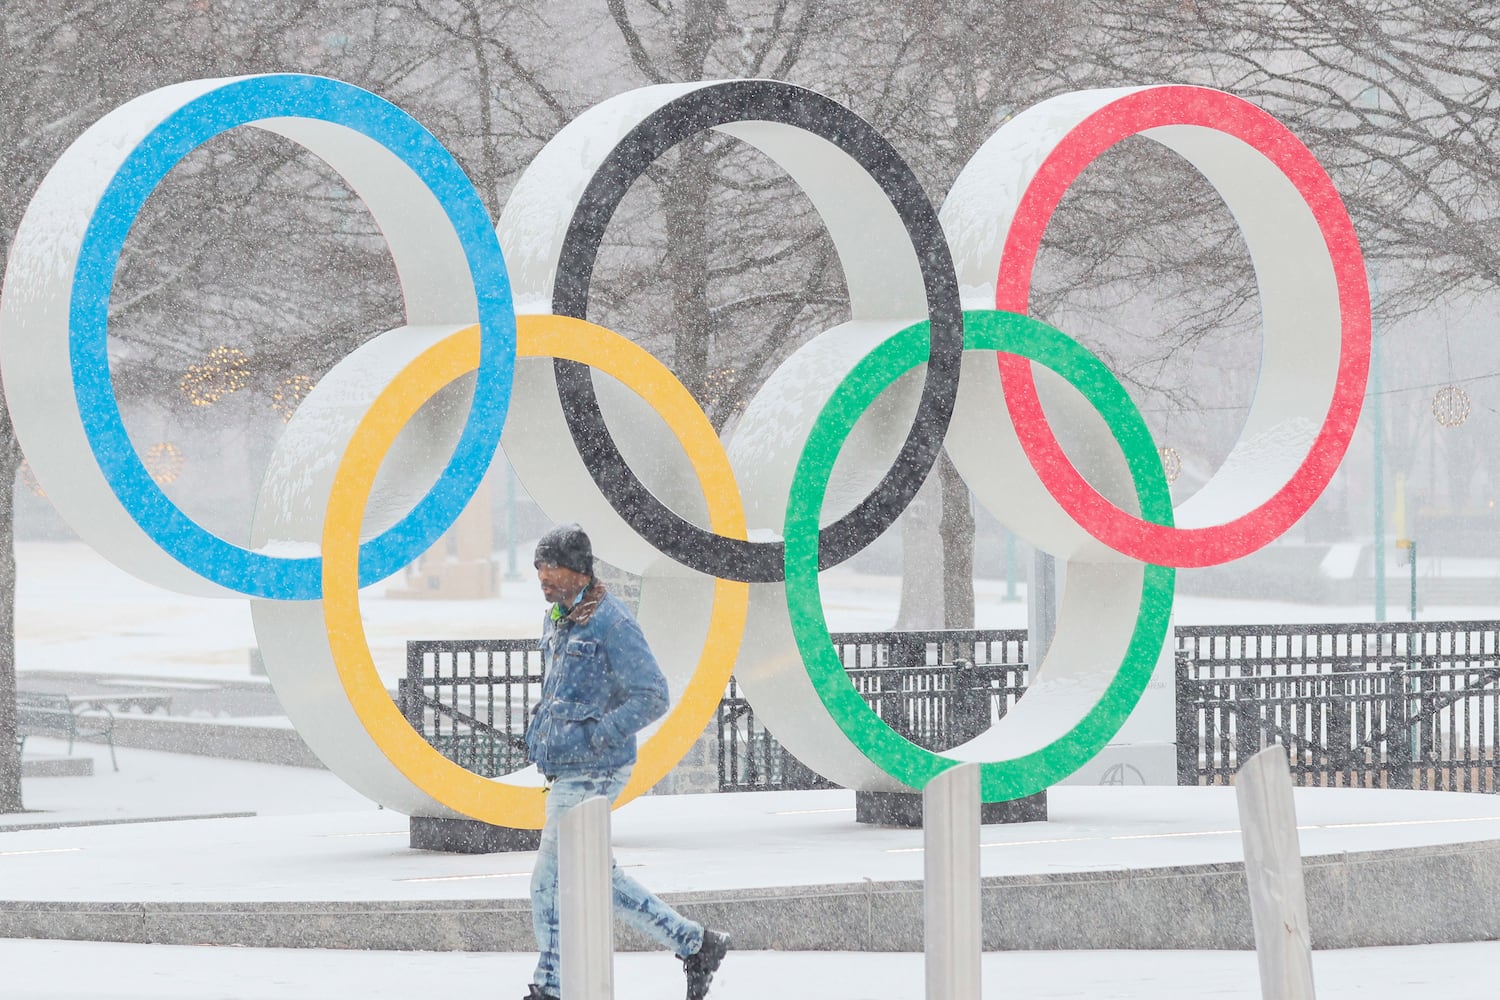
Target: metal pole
[1273,874]
[1010,566]
[1412,682]
[1413,554]
[950,888]
[511,571]
[1041,607]
[585,902]
[1377,422]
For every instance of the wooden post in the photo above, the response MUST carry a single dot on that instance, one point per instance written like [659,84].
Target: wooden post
[1273,871]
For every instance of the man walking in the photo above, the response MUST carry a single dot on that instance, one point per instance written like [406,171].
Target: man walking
[601,685]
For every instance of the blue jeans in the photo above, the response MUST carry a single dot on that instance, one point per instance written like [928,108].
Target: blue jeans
[634,903]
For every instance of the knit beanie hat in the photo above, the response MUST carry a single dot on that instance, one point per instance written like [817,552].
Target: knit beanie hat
[567,546]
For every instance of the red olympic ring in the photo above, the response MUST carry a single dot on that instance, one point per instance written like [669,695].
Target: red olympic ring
[1130,115]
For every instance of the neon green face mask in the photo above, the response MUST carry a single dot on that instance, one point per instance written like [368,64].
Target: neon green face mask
[557,609]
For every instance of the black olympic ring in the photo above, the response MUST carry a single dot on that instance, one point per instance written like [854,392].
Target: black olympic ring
[722,104]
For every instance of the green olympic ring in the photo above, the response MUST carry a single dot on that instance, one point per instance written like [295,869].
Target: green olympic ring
[984,330]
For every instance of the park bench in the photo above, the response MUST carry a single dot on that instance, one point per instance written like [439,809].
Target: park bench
[39,714]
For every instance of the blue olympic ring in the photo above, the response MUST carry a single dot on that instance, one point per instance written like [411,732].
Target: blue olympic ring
[239,103]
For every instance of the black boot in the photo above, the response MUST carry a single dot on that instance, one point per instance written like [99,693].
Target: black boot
[702,964]
[534,992]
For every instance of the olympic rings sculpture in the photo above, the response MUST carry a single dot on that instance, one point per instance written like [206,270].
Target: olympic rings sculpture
[381,456]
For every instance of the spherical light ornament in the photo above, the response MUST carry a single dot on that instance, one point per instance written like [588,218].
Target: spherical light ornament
[164,461]
[220,374]
[1450,405]
[1171,463]
[289,393]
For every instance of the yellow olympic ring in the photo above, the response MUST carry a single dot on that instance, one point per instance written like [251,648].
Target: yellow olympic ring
[458,789]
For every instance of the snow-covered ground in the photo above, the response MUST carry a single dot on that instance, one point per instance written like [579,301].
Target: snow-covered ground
[75,612]
[67,970]
[156,784]
[312,839]
[152,785]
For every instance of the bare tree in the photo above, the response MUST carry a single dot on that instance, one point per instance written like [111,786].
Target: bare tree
[938,79]
[751,275]
[50,94]
[746,271]
[1398,97]
[1400,101]
[177,294]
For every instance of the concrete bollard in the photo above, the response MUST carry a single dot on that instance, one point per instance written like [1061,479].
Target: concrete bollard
[951,922]
[585,899]
[1273,871]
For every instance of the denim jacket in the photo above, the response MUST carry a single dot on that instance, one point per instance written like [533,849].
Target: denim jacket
[600,686]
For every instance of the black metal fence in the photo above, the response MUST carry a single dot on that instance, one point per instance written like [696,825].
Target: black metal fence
[1391,705]
[1388,705]
[470,698]
[937,689]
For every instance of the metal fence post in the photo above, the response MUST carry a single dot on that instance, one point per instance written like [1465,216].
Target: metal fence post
[950,888]
[1190,741]
[1273,873]
[1398,741]
[1419,736]
[970,696]
[585,902]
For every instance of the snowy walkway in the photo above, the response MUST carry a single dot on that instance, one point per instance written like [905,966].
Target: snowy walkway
[315,839]
[65,970]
